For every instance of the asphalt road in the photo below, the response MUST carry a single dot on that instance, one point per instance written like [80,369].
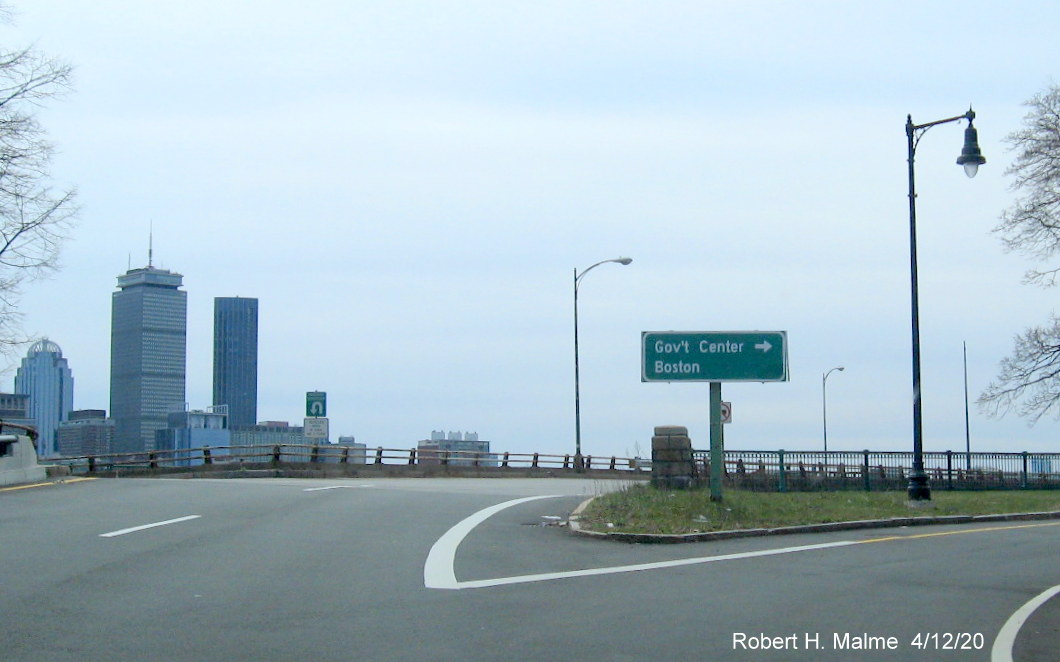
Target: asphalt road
[419,569]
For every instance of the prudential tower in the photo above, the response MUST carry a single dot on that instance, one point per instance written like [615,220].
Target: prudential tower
[148,355]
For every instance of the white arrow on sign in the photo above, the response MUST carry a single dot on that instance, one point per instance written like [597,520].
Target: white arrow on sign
[764,346]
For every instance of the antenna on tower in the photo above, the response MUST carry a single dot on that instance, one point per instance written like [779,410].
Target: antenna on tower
[151,245]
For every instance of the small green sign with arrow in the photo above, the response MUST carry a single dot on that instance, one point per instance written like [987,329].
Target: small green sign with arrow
[316,403]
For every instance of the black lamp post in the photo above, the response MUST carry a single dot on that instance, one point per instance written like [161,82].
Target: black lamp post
[971,158]
[577,392]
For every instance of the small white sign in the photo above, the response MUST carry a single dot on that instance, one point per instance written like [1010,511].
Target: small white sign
[315,428]
[726,412]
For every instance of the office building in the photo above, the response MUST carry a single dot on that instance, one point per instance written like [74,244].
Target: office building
[46,378]
[357,453]
[235,358]
[268,433]
[456,449]
[86,432]
[14,408]
[148,355]
[190,429]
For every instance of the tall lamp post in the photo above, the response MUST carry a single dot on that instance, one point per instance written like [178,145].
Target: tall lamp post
[971,158]
[824,403]
[577,392]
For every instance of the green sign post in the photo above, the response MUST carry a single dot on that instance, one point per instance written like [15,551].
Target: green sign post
[715,357]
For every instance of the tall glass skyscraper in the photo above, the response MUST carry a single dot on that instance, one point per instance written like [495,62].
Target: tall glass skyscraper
[46,378]
[235,358]
[148,355]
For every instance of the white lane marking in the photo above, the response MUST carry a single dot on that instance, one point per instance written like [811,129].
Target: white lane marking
[1006,638]
[336,487]
[134,529]
[438,570]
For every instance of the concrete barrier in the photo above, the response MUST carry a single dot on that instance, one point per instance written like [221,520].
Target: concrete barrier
[18,460]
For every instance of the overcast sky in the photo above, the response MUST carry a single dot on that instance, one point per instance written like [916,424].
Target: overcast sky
[408,188]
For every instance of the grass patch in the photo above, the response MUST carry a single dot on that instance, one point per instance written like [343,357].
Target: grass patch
[645,509]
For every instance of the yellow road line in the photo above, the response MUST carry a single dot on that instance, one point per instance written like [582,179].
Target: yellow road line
[57,482]
[961,532]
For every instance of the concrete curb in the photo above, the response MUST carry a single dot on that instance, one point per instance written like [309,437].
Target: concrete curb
[576,529]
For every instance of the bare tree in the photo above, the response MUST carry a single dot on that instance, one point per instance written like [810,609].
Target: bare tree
[34,218]
[1029,378]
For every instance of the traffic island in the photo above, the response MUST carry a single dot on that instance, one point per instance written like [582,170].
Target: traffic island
[575,527]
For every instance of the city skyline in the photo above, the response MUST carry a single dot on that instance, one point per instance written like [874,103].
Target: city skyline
[408,191]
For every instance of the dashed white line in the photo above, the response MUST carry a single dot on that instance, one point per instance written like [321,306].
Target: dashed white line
[336,487]
[134,529]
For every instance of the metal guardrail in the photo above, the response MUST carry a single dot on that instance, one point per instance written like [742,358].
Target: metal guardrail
[883,470]
[283,454]
[753,470]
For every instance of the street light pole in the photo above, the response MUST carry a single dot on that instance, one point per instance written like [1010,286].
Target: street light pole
[967,428]
[824,403]
[971,158]
[578,466]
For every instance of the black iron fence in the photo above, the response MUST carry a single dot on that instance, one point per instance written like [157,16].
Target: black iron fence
[800,471]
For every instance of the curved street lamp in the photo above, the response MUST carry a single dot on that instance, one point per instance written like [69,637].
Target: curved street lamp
[971,158]
[824,403]
[577,393]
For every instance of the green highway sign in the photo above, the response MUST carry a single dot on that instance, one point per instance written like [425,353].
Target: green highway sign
[714,356]
[316,403]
